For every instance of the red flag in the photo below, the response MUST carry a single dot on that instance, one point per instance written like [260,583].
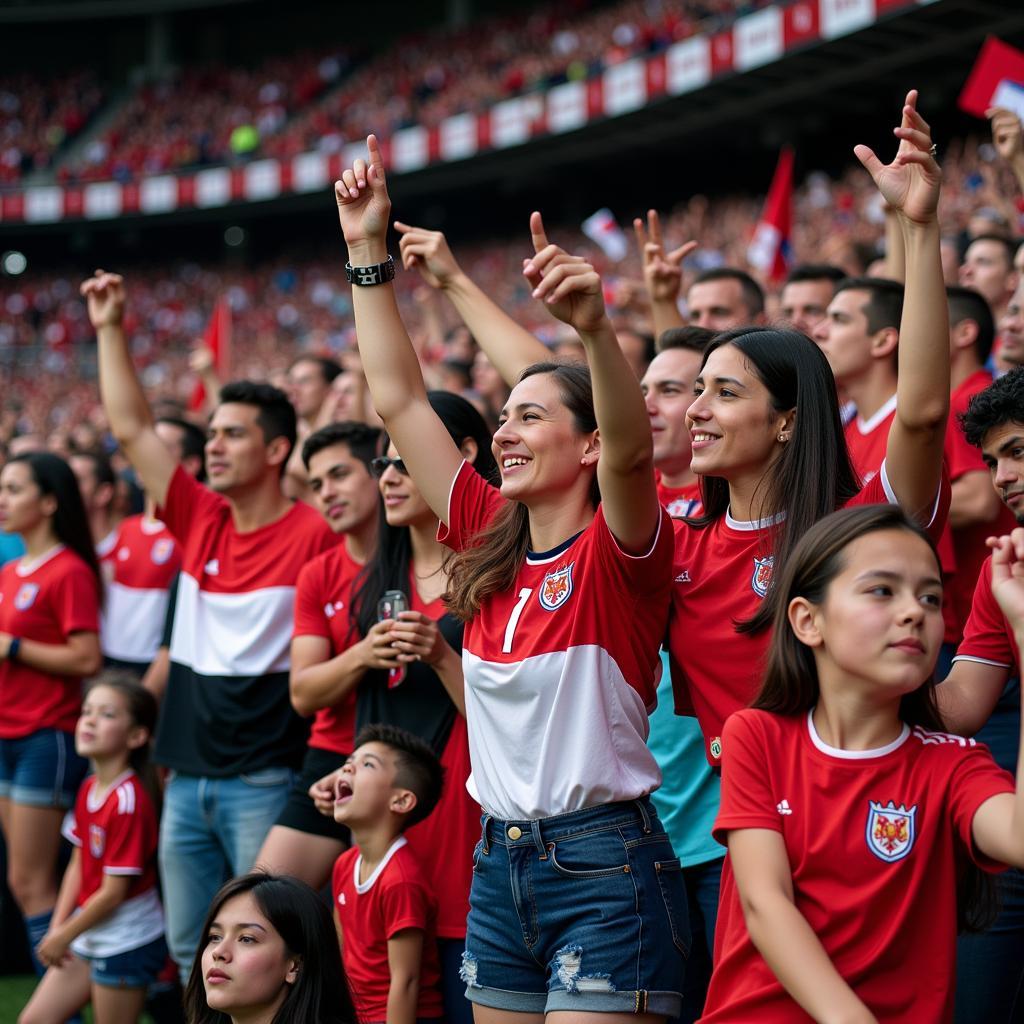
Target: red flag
[217,338]
[997,62]
[770,249]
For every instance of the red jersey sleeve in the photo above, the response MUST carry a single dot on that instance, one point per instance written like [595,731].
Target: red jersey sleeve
[746,795]
[878,491]
[404,904]
[129,834]
[987,634]
[472,503]
[74,599]
[187,502]
[650,571]
[976,778]
[310,618]
[69,829]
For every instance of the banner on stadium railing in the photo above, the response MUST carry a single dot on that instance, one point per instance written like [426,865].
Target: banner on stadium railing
[749,43]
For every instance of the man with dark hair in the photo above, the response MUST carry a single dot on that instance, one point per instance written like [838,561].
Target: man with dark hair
[981,695]
[975,510]
[310,381]
[185,441]
[806,294]
[338,459]
[226,727]
[1011,328]
[724,298]
[988,269]
[859,336]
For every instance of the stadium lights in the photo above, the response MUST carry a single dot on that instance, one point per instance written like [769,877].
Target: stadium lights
[13,263]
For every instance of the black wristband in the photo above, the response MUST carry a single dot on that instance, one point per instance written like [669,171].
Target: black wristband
[378,273]
[12,648]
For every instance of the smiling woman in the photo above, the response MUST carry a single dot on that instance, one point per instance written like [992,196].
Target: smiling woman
[269,955]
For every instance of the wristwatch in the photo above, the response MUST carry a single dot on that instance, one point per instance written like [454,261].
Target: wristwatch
[12,648]
[378,273]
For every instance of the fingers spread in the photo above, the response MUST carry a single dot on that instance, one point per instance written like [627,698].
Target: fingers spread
[866,155]
[654,226]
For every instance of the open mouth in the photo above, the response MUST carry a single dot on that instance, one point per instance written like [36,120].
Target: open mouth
[342,792]
[512,462]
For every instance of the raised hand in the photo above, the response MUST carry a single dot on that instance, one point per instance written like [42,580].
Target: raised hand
[567,285]
[364,207]
[201,359]
[1007,133]
[1008,576]
[663,272]
[104,296]
[910,184]
[428,252]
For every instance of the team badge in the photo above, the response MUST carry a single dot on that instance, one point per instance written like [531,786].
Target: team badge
[762,575]
[715,746]
[162,550]
[97,841]
[556,588]
[890,831]
[26,596]
[679,508]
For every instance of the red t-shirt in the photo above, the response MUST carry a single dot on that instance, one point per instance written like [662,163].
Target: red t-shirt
[45,601]
[569,650]
[323,597]
[968,542]
[866,440]
[143,563]
[721,573]
[680,501]
[988,637]
[876,842]
[395,897]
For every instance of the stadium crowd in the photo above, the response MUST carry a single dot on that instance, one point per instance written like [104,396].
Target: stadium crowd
[372,591]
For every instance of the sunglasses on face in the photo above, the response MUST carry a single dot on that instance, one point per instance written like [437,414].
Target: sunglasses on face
[379,466]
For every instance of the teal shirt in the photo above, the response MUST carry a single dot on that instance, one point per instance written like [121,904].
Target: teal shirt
[11,546]
[687,801]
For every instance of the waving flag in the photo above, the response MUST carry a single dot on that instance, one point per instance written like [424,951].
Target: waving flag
[217,338]
[603,229]
[770,248]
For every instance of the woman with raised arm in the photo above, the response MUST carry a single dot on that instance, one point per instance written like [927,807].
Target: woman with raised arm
[768,446]
[577,901]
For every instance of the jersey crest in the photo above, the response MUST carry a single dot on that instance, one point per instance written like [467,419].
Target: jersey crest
[890,831]
[97,841]
[679,508]
[556,588]
[162,550]
[762,577]
[26,596]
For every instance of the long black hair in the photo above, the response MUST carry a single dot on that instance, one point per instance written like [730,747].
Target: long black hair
[790,685]
[53,476]
[812,476]
[320,992]
[389,567]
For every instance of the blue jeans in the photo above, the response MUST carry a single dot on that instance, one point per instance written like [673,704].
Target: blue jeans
[583,911]
[211,830]
[702,884]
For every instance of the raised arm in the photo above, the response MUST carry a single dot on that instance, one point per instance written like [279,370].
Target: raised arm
[998,825]
[663,273]
[781,933]
[389,360]
[509,347]
[131,420]
[910,184]
[1008,138]
[571,290]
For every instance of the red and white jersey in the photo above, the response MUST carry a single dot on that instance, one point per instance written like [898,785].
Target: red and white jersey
[143,563]
[115,831]
[561,668]
[866,440]
[988,636]
[105,553]
[720,575]
[323,599]
[395,897]
[876,841]
[45,600]
[680,501]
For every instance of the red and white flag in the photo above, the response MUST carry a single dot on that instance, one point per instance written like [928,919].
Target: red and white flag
[770,250]
[995,80]
[603,229]
[217,338]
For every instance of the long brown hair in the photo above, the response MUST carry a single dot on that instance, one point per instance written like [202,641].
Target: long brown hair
[790,685]
[490,563]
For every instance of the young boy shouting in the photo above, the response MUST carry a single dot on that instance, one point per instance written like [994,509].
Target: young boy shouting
[382,903]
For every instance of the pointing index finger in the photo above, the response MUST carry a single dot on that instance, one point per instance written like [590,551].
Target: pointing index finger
[654,226]
[537,232]
[376,160]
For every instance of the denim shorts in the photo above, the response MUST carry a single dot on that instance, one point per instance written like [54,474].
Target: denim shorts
[41,769]
[137,968]
[583,911]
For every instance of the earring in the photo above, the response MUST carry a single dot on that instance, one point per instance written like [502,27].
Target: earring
[782,437]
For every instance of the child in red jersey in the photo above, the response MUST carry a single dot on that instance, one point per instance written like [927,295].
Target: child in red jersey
[851,823]
[383,905]
[106,942]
